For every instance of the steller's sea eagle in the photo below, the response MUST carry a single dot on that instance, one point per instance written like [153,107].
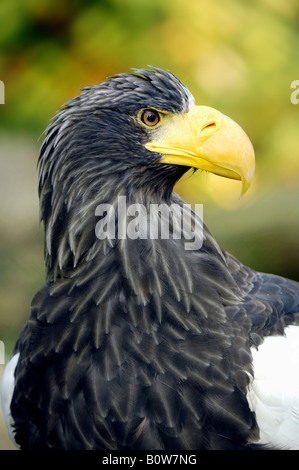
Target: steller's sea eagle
[138,340]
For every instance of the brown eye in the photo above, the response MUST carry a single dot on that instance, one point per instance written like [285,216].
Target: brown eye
[150,117]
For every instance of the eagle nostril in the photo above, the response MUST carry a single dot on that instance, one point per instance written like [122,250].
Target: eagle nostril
[210,125]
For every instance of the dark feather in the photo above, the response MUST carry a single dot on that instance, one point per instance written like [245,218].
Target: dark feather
[134,343]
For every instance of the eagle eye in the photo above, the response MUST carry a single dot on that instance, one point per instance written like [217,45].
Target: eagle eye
[150,117]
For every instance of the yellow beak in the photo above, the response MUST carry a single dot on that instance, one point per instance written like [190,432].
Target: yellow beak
[206,139]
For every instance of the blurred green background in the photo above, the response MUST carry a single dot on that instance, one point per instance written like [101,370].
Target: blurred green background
[239,56]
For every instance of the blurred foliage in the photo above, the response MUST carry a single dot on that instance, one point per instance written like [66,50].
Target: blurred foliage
[239,56]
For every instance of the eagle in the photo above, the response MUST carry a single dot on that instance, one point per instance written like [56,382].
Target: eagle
[146,334]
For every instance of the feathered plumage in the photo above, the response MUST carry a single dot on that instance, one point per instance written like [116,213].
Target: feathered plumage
[134,343]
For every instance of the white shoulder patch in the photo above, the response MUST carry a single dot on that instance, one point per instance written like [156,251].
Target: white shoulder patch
[274,391]
[7,388]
